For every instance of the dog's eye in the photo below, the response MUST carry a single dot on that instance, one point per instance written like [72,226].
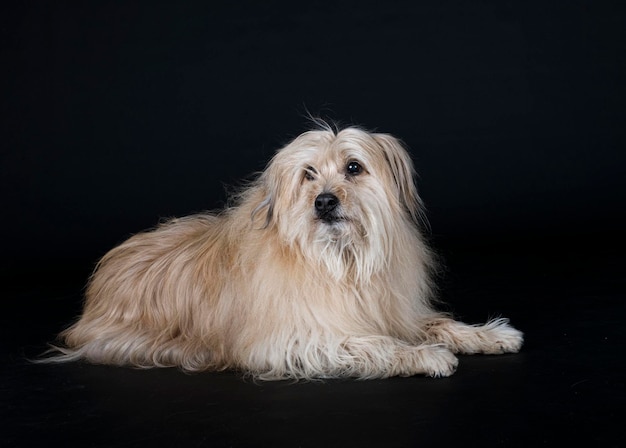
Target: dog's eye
[353,168]
[308,173]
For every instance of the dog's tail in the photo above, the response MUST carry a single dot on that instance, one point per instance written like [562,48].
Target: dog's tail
[57,354]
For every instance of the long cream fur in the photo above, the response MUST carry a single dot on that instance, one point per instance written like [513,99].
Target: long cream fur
[269,288]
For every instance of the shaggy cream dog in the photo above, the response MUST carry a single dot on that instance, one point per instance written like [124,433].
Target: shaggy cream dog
[318,270]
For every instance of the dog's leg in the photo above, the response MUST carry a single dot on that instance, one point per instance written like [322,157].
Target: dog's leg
[494,337]
[384,356]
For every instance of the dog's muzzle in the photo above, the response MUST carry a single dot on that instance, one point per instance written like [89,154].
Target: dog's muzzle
[326,207]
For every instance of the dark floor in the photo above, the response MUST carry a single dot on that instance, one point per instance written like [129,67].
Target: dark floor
[567,384]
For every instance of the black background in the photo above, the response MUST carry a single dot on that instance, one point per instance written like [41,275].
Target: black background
[115,115]
[118,114]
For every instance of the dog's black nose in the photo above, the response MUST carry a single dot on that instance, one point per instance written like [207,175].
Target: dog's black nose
[325,203]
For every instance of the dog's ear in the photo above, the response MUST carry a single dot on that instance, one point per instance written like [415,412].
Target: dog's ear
[262,213]
[273,190]
[279,183]
[403,173]
[265,199]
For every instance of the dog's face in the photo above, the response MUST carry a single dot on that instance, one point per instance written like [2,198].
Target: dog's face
[333,194]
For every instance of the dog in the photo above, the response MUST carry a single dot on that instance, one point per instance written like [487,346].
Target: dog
[319,269]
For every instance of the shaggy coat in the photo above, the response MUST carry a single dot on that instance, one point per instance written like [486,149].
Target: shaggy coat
[318,270]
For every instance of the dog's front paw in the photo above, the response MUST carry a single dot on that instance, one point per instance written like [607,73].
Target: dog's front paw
[502,337]
[438,361]
[430,360]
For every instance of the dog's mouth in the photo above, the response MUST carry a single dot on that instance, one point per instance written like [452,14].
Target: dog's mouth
[331,220]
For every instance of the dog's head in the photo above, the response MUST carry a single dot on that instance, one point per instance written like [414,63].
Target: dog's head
[333,194]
